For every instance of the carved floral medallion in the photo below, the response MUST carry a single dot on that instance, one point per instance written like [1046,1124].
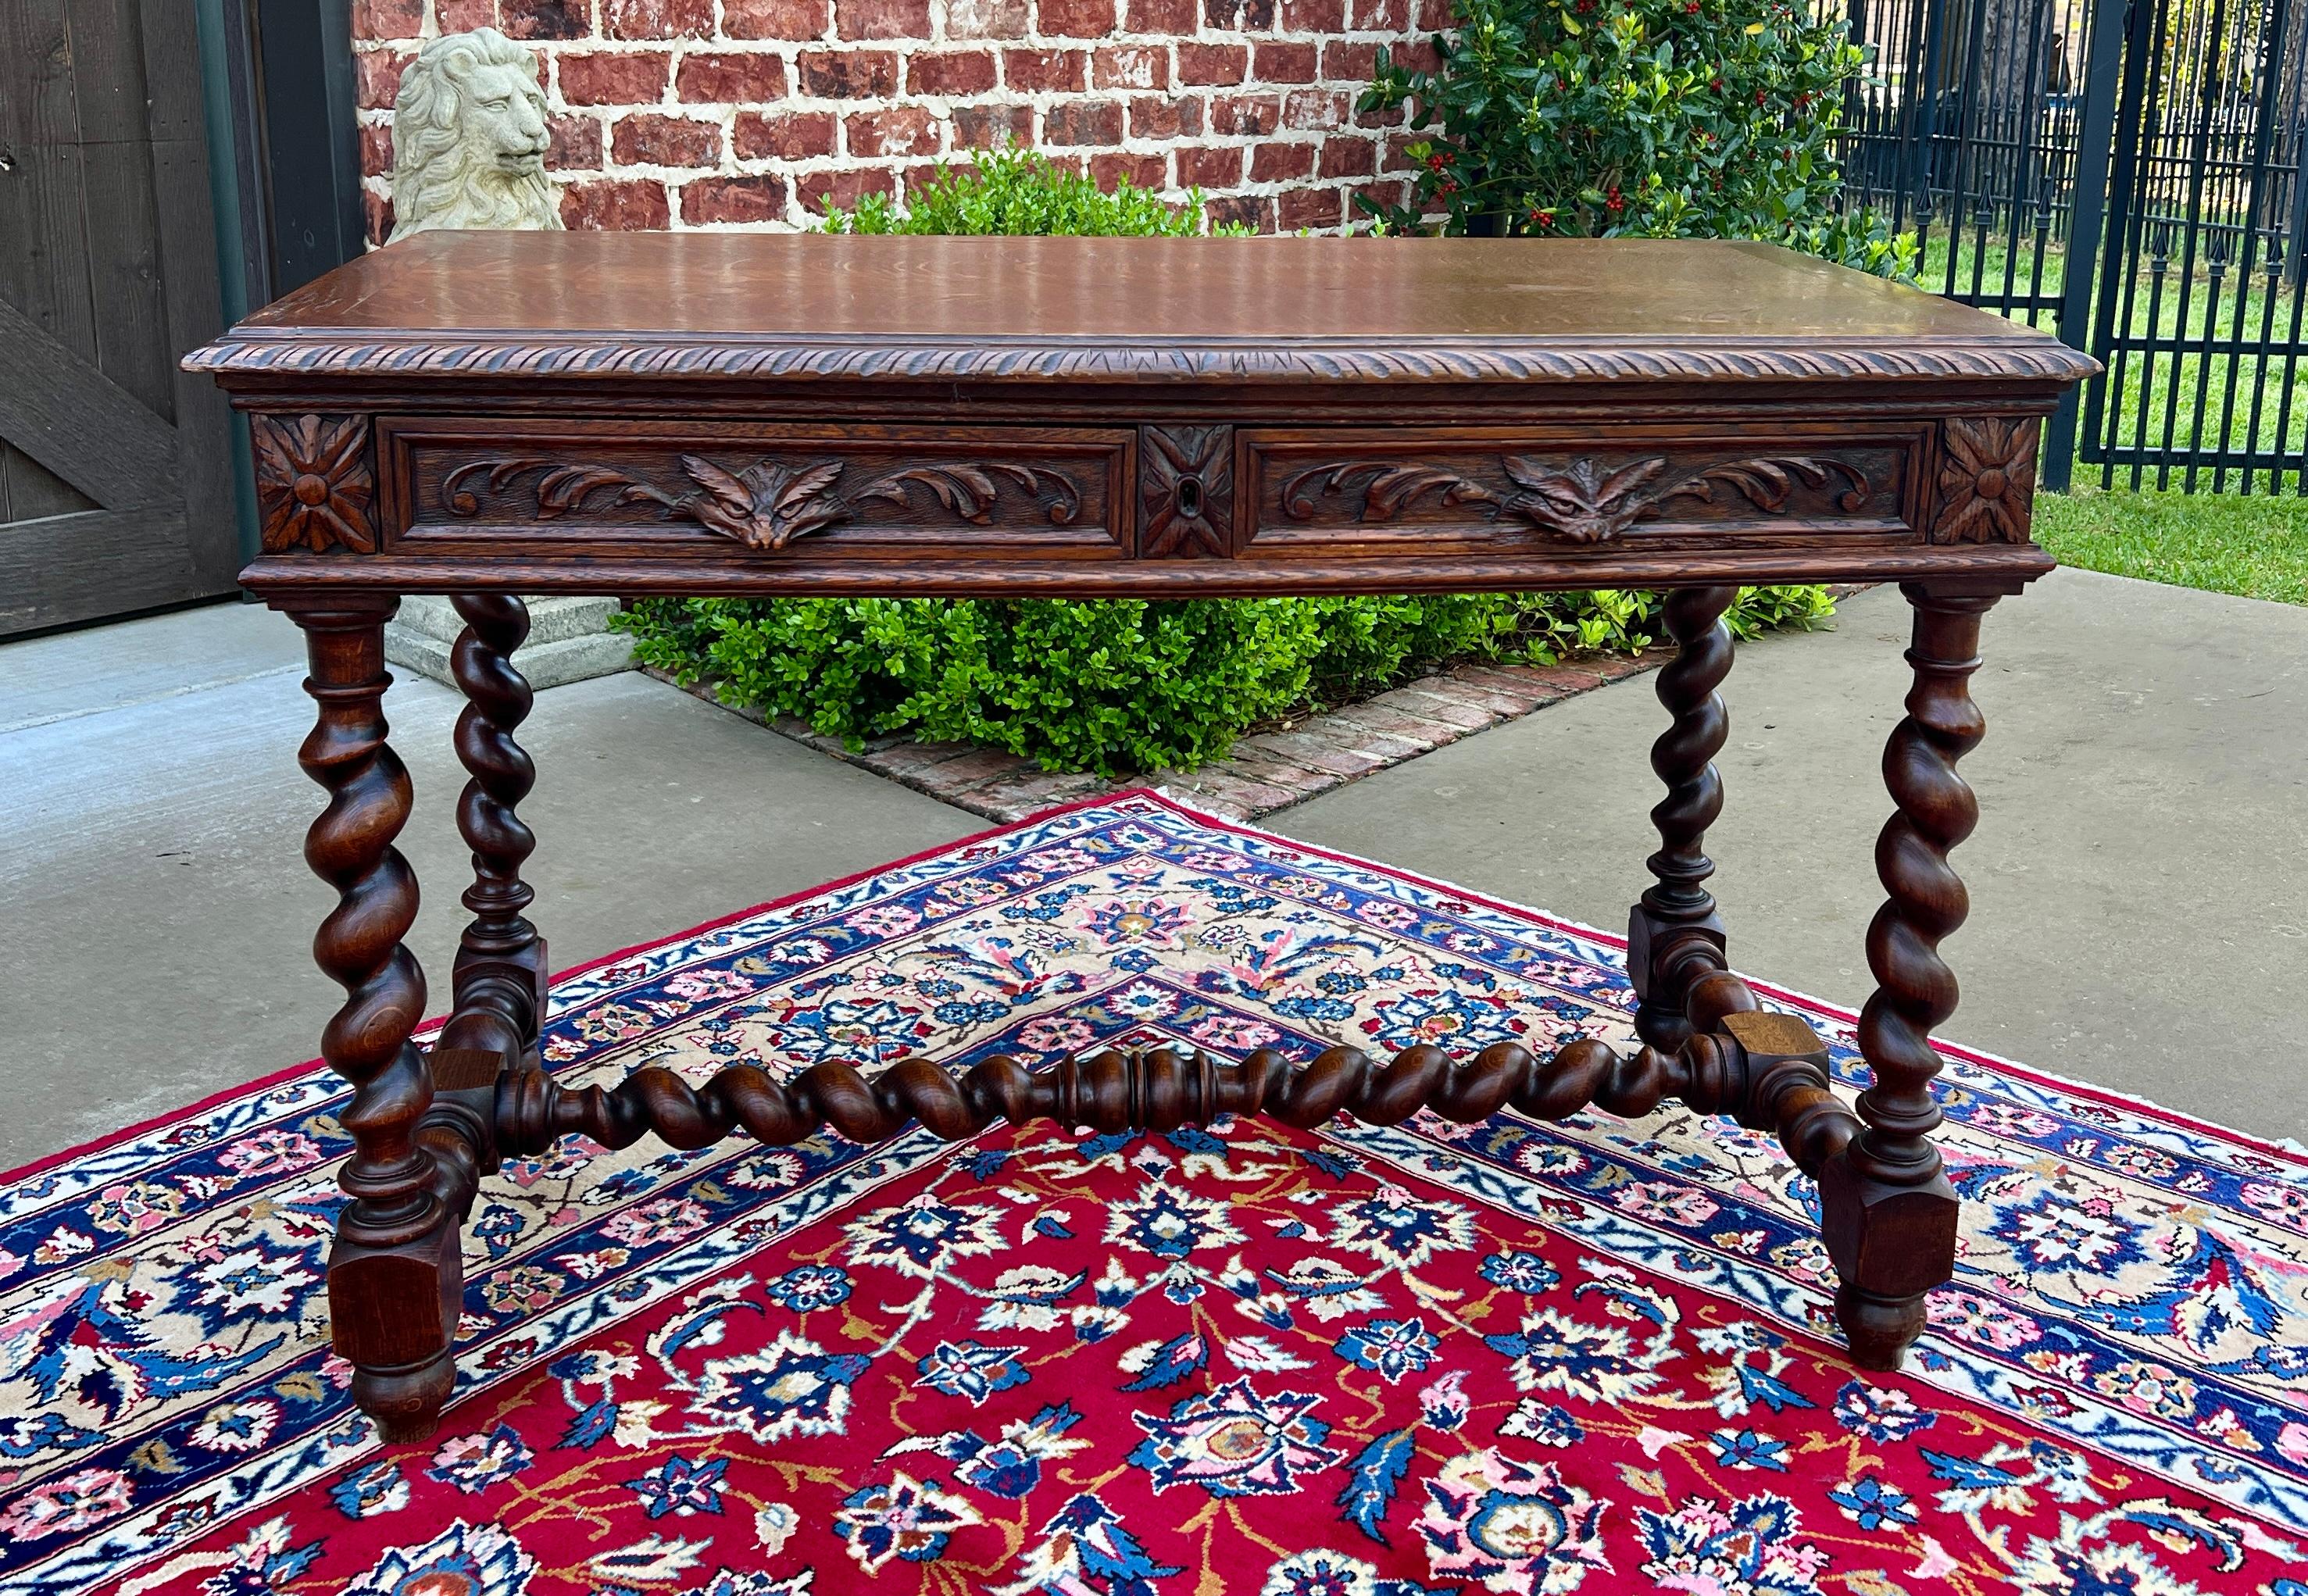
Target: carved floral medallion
[1186,488]
[767,503]
[1585,502]
[1988,479]
[314,484]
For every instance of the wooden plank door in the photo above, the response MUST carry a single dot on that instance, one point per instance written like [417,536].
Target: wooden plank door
[116,476]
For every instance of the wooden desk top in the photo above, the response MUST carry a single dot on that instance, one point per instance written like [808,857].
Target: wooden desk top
[752,413]
[752,305]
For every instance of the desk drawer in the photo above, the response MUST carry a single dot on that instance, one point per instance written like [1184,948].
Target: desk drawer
[640,488]
[1343,493]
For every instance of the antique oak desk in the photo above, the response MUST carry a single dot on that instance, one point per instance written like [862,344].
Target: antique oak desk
[492,414]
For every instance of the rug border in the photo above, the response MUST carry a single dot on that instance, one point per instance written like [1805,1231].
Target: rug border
[1163,800]
[2176,1117]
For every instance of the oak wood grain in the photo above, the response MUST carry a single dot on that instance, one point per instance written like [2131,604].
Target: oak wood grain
[583,307]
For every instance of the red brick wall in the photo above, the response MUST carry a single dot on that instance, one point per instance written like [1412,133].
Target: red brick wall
[747,113]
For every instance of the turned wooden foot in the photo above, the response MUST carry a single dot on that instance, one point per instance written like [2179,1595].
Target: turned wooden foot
[1892,1246]
[395,1281]
[1879,1329]
[1889,1216]
[406,1404]
[394,1315]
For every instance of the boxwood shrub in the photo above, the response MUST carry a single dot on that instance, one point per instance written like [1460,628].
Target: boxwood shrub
[1117,686]
[1120,685]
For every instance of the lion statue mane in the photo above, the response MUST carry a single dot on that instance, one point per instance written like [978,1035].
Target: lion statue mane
[469,139]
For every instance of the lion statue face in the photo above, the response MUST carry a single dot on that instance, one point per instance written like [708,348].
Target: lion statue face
[469,139]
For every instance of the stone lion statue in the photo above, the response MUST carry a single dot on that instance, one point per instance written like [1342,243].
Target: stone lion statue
[469,139]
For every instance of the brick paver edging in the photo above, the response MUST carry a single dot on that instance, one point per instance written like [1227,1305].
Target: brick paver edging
[1264,773]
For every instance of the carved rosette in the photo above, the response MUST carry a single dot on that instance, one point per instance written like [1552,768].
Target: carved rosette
[1988,479]
[314,483]
[1185,489]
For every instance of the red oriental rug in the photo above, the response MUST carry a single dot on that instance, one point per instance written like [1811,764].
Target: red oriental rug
[1510,1357]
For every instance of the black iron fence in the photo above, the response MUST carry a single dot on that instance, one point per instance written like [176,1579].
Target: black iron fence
[2128,174]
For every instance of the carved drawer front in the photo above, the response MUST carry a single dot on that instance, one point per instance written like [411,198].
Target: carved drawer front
[785,491]
[1486,491]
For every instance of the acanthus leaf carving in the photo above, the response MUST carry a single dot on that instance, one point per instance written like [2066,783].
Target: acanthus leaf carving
[1768,484]
[1389,491]
[314,482]
[462,500]
[564,488]
[767,503]
[1583,502]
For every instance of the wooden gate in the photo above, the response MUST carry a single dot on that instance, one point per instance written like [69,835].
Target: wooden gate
[116,475]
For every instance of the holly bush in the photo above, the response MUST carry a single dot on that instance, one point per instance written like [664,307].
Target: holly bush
[1654,118]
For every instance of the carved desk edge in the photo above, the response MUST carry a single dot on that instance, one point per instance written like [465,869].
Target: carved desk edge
[311,352]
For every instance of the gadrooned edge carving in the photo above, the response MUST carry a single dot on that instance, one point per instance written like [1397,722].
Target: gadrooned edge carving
[1185,486]
[1587,501]
[1302,360]
[314,482]
[767,504]
[1988,479]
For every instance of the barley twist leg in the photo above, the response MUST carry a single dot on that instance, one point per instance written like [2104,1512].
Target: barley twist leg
[1675,937]
[1890,1214]
[394,1282]
[500,969]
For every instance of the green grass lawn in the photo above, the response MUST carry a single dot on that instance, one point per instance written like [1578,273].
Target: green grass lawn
[2256,545]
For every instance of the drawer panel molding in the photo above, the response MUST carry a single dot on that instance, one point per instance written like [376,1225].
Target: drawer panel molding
[1588,501]
[763,503]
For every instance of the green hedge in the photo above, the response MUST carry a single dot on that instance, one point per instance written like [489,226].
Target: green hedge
[1120,685]
[1115,686]
[1016,192]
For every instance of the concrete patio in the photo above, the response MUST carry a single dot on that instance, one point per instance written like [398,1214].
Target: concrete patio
[2138,879]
